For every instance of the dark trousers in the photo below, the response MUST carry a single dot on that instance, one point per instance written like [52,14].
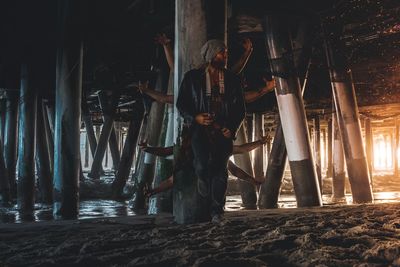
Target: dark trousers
[211,154]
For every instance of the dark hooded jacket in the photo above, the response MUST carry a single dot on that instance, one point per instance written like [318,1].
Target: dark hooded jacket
[192,99]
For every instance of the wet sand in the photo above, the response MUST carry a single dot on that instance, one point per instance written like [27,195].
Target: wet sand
[356,235]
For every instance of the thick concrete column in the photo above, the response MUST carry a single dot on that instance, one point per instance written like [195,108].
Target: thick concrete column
[43,158]
[269,190]
[369,144]
[68,110]
[128,152]
[258,152]
[26,142]
[195,22]
[108,114]
[396,147]
[329,150]
[247,190]
[348,118]
[277,157]
[292,113]
[338,171]
[10,140]
[317,149]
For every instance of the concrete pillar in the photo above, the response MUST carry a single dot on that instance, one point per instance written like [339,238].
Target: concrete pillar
[108,114]
[10,140]
[338,171]
[145,175]
[26,143]
[324,151]
[68,111]
[51,115]
[49,137]
[292,113]
[269,190]
[86,164]
[164,166]
[4,181]
[317,149]
[392,148]
[43,158]
[329,150]
[106,155]
[91,136]
[128,152]
[396,147]
[195,22]
[369,144]
[277,157]
[247,190]
[2,119]
[162,202]
[112,141]
[258,152]
[348,118]
[113,146]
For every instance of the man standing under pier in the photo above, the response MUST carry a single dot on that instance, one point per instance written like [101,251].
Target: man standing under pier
[211,102]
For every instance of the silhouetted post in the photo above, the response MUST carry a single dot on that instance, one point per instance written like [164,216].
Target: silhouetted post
[68,110]
[369,144]
[86,151]
[269,190]
[10,139]
[108,115]
[164,166]
[43,158]
[112,141]
[128,151]
[91,136]
[2,119]
[348,118]
[329,150]
[26,142]
[324,151]
[292,113]
[247,190]
[4,181]
[338,171]
[396,148]
[258,152]
[317,149]
[49,137]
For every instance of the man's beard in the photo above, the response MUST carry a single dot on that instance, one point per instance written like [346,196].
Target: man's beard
[218,64]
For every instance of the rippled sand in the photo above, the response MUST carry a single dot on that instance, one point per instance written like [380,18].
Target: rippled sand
[328,236]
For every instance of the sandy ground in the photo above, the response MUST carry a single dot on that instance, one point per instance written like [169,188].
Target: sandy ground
[357,235]
[333,235]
